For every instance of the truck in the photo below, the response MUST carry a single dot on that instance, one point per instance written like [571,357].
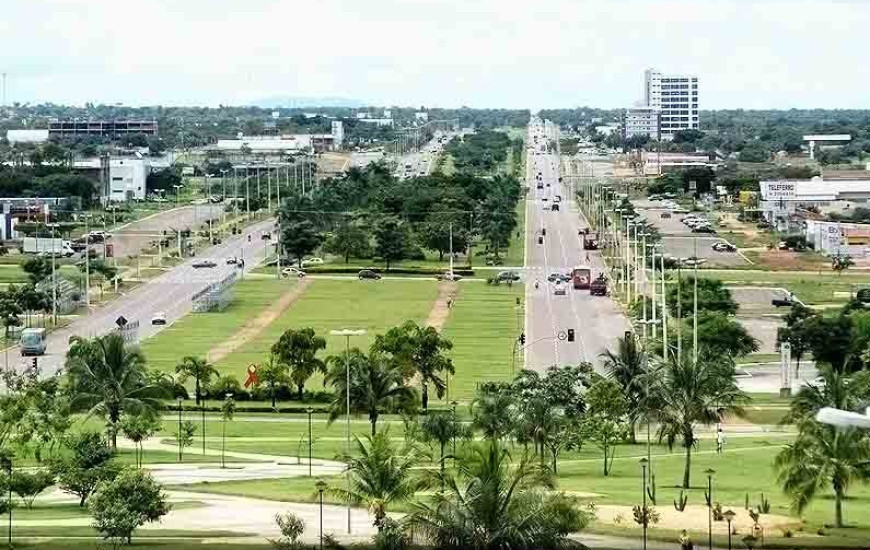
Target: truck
[47,245]
[599,286]
[581,276]
[590,241]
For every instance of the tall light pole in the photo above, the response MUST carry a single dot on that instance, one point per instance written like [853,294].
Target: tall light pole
[347,333]
[176,187]
[309,410]
[321,486]
[710,473]
[695,309]
[643,464]
[54,275]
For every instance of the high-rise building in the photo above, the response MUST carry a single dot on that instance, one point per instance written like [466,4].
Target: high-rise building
[677,98]
[642,120]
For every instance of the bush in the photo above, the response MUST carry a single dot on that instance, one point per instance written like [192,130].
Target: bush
[390,537]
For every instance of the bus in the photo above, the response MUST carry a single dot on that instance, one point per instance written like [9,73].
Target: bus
[581,276]
[33,341]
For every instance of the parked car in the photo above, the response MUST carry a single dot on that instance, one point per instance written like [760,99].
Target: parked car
[508,276]
[692,262]
[204,264]
[292,272]
[724,247]
[159,318]
[703,229]
[368,274]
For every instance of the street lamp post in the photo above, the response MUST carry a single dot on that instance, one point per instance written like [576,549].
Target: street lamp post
[710,473]
[347,333]
[53,276]
[643,464]
[729,517]
[179,401]
[309,411]
[6,464]
[321,486]
[453,409]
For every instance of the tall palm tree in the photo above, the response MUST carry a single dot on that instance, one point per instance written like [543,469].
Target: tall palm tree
[418,351]
[687,394]
[197,368]
[109,378]
[823,457]
[376,385]
[442,428]
[380,475]
[628,367]
[490,503]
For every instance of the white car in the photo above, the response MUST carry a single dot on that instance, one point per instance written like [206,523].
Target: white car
[559,289]
[312,261]
[159,318]
[292,272]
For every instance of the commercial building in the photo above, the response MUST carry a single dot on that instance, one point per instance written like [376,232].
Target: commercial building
[677,98]
[781,200]
[839,238]
[642,121]
[103,128]
[288,142]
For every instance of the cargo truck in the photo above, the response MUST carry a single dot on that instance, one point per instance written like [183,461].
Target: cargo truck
[581,276]
[47,245]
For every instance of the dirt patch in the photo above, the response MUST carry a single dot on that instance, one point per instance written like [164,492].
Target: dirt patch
[694,518]
[255,326]
[447,292]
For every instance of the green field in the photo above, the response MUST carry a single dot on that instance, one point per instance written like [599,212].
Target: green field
[335,304]
[483,328]
[197,333]
[811,288]
[516,250]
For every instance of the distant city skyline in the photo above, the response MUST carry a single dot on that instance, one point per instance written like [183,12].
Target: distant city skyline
[439,53]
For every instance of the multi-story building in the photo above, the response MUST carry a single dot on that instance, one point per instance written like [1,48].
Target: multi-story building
[642,121]
[105,128]
[677,98]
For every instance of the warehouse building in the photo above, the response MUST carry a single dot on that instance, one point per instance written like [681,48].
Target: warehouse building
[781,199]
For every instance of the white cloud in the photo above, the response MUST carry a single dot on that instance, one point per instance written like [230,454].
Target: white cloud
[768,53]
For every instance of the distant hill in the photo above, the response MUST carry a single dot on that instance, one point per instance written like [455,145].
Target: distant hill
[297,102]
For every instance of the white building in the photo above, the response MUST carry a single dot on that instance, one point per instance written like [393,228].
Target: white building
[780,199]
[126,179]
[287,142]
[378,121]
[422,116]
[677,98]
[836,238]
[642,121]
[26,136]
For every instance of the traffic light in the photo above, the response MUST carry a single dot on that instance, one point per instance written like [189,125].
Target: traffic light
[570,334]
[35,364]
[522,338]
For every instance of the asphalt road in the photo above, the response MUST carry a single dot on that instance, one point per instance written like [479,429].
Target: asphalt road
[169,293]
[597,321]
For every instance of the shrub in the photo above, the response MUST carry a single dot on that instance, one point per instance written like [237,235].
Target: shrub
[291,527]
[28,485]
[390,536]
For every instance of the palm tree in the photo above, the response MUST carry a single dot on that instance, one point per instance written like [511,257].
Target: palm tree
[273,375]
[197,368]
[493,410]
[441,428]
[628,367]
[297,349]
[834,389]
[491,504]
[821,457]
[418,351]
[687,394]
[381,475]
[110,378]
[376,385]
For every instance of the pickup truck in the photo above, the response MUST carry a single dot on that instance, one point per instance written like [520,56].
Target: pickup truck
[598,287]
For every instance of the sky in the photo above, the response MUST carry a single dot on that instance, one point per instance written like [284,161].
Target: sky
[435,53]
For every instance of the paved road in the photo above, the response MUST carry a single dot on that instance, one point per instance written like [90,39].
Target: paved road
[169,293]
[597,321]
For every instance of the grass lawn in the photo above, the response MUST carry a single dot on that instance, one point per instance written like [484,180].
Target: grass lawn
[483,328]
[811,288]
[295,489]
[515,255]
[197,333]
[331,304]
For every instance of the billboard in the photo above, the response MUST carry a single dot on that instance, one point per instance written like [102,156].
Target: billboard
[779,190]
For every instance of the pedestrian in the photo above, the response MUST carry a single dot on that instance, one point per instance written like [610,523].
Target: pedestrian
[449,303]
[720,440]
[686,541]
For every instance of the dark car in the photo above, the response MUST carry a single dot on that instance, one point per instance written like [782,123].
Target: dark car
[204,263]
[368,274]
[508,276]
[703,229]
[554,276]
[555,208]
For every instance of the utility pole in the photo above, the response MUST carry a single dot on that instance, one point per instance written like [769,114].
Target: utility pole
[695,310]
